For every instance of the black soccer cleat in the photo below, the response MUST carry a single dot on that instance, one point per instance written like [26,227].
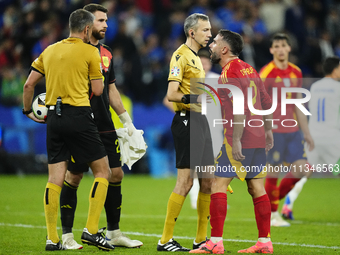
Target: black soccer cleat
[50,246]
[97,240]
[172,246]
[198,245]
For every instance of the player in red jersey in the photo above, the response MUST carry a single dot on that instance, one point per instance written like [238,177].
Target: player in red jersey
[243,153]
[288,148]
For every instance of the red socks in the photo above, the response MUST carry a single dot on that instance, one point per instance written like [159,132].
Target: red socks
[286,184]
[272,192]
[262,215]
[218,213]
[276,193]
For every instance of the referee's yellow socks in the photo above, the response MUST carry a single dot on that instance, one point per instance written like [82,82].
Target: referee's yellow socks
[97,200]
[203,214]
[51,204]
[175,204]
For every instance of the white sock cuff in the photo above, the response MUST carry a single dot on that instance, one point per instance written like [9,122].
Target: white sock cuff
[215,239]
[264,239]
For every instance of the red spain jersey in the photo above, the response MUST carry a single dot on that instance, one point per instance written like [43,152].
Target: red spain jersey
[274,77]
[244,76]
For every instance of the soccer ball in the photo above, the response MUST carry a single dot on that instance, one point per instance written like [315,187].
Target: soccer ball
[38,106]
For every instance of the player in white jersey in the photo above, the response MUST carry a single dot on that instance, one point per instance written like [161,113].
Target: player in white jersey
[324,126]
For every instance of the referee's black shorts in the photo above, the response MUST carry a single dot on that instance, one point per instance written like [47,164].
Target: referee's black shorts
[73,133]
[192,138]
[110,141]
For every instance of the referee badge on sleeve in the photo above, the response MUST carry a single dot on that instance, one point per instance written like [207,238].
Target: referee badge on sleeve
[175,71]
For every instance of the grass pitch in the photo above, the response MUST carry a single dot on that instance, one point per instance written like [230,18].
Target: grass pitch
[316,229]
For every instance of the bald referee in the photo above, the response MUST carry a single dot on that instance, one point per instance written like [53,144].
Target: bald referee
[68,66]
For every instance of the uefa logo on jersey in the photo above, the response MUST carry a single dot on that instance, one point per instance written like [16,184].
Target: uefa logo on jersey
[175,71]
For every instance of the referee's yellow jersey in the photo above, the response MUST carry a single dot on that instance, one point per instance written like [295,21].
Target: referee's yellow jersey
[68,66]
[184,65]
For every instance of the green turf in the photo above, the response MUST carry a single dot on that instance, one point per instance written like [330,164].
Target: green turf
[315,230]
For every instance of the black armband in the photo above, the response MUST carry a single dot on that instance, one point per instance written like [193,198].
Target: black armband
[189,99]
[26,112]
[34,69]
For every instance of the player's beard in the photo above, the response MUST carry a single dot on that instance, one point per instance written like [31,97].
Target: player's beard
[214,58]
[96,34]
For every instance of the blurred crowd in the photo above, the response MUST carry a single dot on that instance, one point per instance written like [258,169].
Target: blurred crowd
[144,33]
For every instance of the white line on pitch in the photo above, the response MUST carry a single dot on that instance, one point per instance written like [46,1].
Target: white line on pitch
[183,237]
[134,216]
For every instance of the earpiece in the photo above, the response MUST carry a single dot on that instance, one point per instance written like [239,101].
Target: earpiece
[192,36]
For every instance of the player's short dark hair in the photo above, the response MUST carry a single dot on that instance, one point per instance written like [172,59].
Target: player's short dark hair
[79,19]
[234,40]
[278,37]
[192,21]
[95,7]
[330,64]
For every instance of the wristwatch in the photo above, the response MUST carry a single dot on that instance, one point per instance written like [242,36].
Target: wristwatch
[26,112]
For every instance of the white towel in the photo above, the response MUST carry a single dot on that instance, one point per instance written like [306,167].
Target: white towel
[132,148]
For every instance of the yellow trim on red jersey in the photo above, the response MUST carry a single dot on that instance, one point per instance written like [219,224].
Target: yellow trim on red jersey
[266,70]
[224,78]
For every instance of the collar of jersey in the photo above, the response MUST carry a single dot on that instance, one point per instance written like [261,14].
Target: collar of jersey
[191,49]
[229,63]
[74,39]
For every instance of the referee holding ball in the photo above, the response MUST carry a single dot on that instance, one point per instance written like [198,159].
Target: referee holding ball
[68,65]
